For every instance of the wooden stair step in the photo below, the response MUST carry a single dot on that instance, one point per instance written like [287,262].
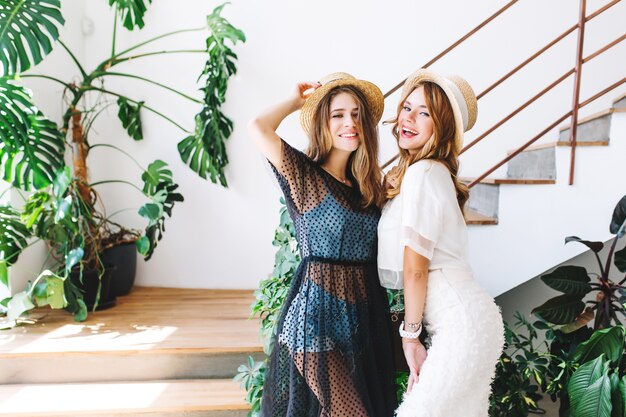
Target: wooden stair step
[152,334]
[512,181]
[474,218]
[562,144]
[594,116]
[207,397]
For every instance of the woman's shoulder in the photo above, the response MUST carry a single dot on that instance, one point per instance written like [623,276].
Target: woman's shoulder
[427,169]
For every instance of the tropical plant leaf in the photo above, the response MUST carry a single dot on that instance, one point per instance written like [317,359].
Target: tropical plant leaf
[584,377]
[572,280]
[31,146]
[205,150]
[19,304]
[131,12]
[14,235]
[618,222]
[622,391]
[560,310]
[28,28]
[581,321]
[594,246]
[49,290]
[4,273]
[616,397]
[130,116]
[160,188]
[595,400]
[608,342]
[620,259]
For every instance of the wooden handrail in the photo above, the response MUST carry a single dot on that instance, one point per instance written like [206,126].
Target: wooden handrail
[543,132]
[541,93]
[457,43]
[583,19]
[576,96]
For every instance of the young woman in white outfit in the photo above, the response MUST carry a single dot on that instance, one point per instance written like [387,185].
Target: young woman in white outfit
[423,245]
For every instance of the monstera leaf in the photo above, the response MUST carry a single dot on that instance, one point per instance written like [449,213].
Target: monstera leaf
[129,115]
[205,150]
[160,188]
[14,234]
[28,28]
[132,12]
[31,146]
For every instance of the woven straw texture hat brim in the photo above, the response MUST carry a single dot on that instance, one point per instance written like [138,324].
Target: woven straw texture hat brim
[372,93]
[460,94]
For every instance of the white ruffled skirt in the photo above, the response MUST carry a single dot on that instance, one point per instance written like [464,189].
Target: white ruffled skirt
[467,337]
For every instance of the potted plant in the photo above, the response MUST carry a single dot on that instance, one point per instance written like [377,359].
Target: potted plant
[64,206]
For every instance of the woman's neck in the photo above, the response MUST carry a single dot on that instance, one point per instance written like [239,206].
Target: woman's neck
[336,163]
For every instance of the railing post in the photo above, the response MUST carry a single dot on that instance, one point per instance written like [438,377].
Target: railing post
[576,99]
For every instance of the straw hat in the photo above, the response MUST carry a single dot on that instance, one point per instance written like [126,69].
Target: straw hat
[373,96]
[459,92]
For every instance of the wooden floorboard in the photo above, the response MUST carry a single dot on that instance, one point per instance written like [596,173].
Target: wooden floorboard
[147,320]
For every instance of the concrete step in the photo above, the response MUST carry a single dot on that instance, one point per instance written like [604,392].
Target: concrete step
[477,219]
[188,398]
[595,128]
[534,163]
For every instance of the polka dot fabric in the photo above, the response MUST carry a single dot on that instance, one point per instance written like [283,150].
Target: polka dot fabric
[332,350]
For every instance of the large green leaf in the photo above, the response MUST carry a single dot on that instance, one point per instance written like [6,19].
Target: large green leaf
[595,400]
[130,116]
[131,12]
[49,291]
[19,304]
[608,342]
[14,234]
[560,310]
[584,377]
[618,221]
[572,280]
[31,146]
[205,150]
[616,396]
[28,28]
[161,189]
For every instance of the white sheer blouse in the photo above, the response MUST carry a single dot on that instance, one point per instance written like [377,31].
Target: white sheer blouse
[426,217]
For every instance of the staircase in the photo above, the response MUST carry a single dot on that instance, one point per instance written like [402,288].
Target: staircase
[161,352]
[534,204]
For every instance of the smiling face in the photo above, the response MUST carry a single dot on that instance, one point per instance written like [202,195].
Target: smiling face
[415,125]
[343,122]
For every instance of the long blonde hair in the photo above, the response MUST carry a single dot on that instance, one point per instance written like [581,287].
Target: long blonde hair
[363,163]
[440,147]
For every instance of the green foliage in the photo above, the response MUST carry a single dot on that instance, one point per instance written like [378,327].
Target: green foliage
[131,12]
[31,146]
[129,115]
[269,299]
[14,234]
[28,28]
[160,188]
[573,281]
[205,150]
[520,372]
[251,376]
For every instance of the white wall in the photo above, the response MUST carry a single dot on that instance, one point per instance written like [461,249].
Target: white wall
[222,238]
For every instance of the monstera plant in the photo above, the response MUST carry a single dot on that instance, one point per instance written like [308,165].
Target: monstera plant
[61,204]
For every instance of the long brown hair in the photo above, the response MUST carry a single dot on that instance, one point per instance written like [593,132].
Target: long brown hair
[440,147]
[363,163]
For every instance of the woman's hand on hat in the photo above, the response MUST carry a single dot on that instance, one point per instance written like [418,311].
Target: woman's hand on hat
[304,91]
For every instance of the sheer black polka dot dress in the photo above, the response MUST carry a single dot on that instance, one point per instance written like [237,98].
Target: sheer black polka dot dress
[332,354]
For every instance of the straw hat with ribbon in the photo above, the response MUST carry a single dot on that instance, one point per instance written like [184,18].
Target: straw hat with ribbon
[373,96]
[460,94]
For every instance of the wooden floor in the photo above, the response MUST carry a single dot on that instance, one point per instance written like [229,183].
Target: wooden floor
[154,319]
[160,352]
